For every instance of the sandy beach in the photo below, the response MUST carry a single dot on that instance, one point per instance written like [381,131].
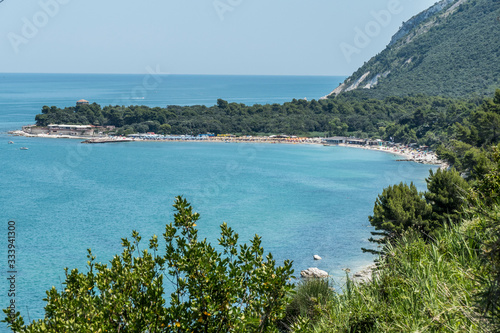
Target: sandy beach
[407,154]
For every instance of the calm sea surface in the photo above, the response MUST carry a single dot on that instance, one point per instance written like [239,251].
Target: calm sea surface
[66,197]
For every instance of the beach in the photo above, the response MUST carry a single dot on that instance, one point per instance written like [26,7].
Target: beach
[407,154]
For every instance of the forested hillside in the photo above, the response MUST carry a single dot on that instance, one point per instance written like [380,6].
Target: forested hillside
[454,52]
[342,116]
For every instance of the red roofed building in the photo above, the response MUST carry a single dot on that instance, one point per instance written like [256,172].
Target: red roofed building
[82,102]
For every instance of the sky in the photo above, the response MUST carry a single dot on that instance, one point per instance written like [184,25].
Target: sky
[225,37]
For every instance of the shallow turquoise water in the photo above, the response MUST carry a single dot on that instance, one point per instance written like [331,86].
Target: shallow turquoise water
[303,200]
[66,197]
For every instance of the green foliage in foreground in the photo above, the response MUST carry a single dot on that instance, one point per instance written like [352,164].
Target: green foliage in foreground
[237,290]
[397,209]
[449,282]
[486,208]
[446,192]
[309,300]
[419,287]
[401,207]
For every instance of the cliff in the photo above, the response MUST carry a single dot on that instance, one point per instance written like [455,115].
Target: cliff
[451,49]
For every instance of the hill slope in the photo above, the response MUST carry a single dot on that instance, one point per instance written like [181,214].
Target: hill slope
[451,49]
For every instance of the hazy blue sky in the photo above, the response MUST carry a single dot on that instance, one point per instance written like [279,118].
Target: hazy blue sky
[274,37]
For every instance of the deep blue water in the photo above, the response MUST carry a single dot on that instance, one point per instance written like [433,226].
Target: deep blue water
[66,197]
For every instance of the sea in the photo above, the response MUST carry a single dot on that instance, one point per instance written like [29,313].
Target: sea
[63,197]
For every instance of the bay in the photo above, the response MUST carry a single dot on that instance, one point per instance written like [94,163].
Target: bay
[66,197]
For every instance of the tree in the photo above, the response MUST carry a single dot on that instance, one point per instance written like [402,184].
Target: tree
[222,104]
[337,127]
[446,192]
[485,205]
[165,129]
[399,208]
[487,191]
[236,290]
[488,124]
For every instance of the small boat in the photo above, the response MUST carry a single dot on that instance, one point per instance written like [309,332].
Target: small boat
[23,148]
[11,142]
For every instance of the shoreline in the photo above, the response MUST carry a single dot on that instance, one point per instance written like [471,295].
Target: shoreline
[363,274]
[408,154]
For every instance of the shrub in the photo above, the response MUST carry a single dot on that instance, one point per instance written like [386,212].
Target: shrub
[308,301]
[234,290]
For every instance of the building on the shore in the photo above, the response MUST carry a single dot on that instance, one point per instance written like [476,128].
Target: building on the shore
[377,142]
[74,130]
[354,141]
[33,129]
[82,102]
[60,129]
[336,140]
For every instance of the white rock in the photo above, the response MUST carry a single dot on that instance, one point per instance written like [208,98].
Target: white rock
[316,257]
[313,272]
[365,275]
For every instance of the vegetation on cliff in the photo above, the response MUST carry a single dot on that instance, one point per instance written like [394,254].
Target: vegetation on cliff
[452,53]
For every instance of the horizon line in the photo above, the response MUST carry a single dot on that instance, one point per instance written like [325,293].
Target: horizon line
[172,74]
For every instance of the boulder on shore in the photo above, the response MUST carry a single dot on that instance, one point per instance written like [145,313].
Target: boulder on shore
[365,275]
[313,272]
[316,257]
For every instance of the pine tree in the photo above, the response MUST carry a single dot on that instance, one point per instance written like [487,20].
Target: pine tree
[446,192]
[399,208]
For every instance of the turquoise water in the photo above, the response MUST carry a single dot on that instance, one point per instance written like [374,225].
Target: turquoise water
[66,197]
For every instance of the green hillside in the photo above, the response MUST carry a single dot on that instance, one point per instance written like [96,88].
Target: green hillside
[454,52]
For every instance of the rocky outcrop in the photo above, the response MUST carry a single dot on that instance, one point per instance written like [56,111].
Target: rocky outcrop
[417,19]
[365,275]
[313,272]
[336,91]
[356,84]
[402,59]
[373,82]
